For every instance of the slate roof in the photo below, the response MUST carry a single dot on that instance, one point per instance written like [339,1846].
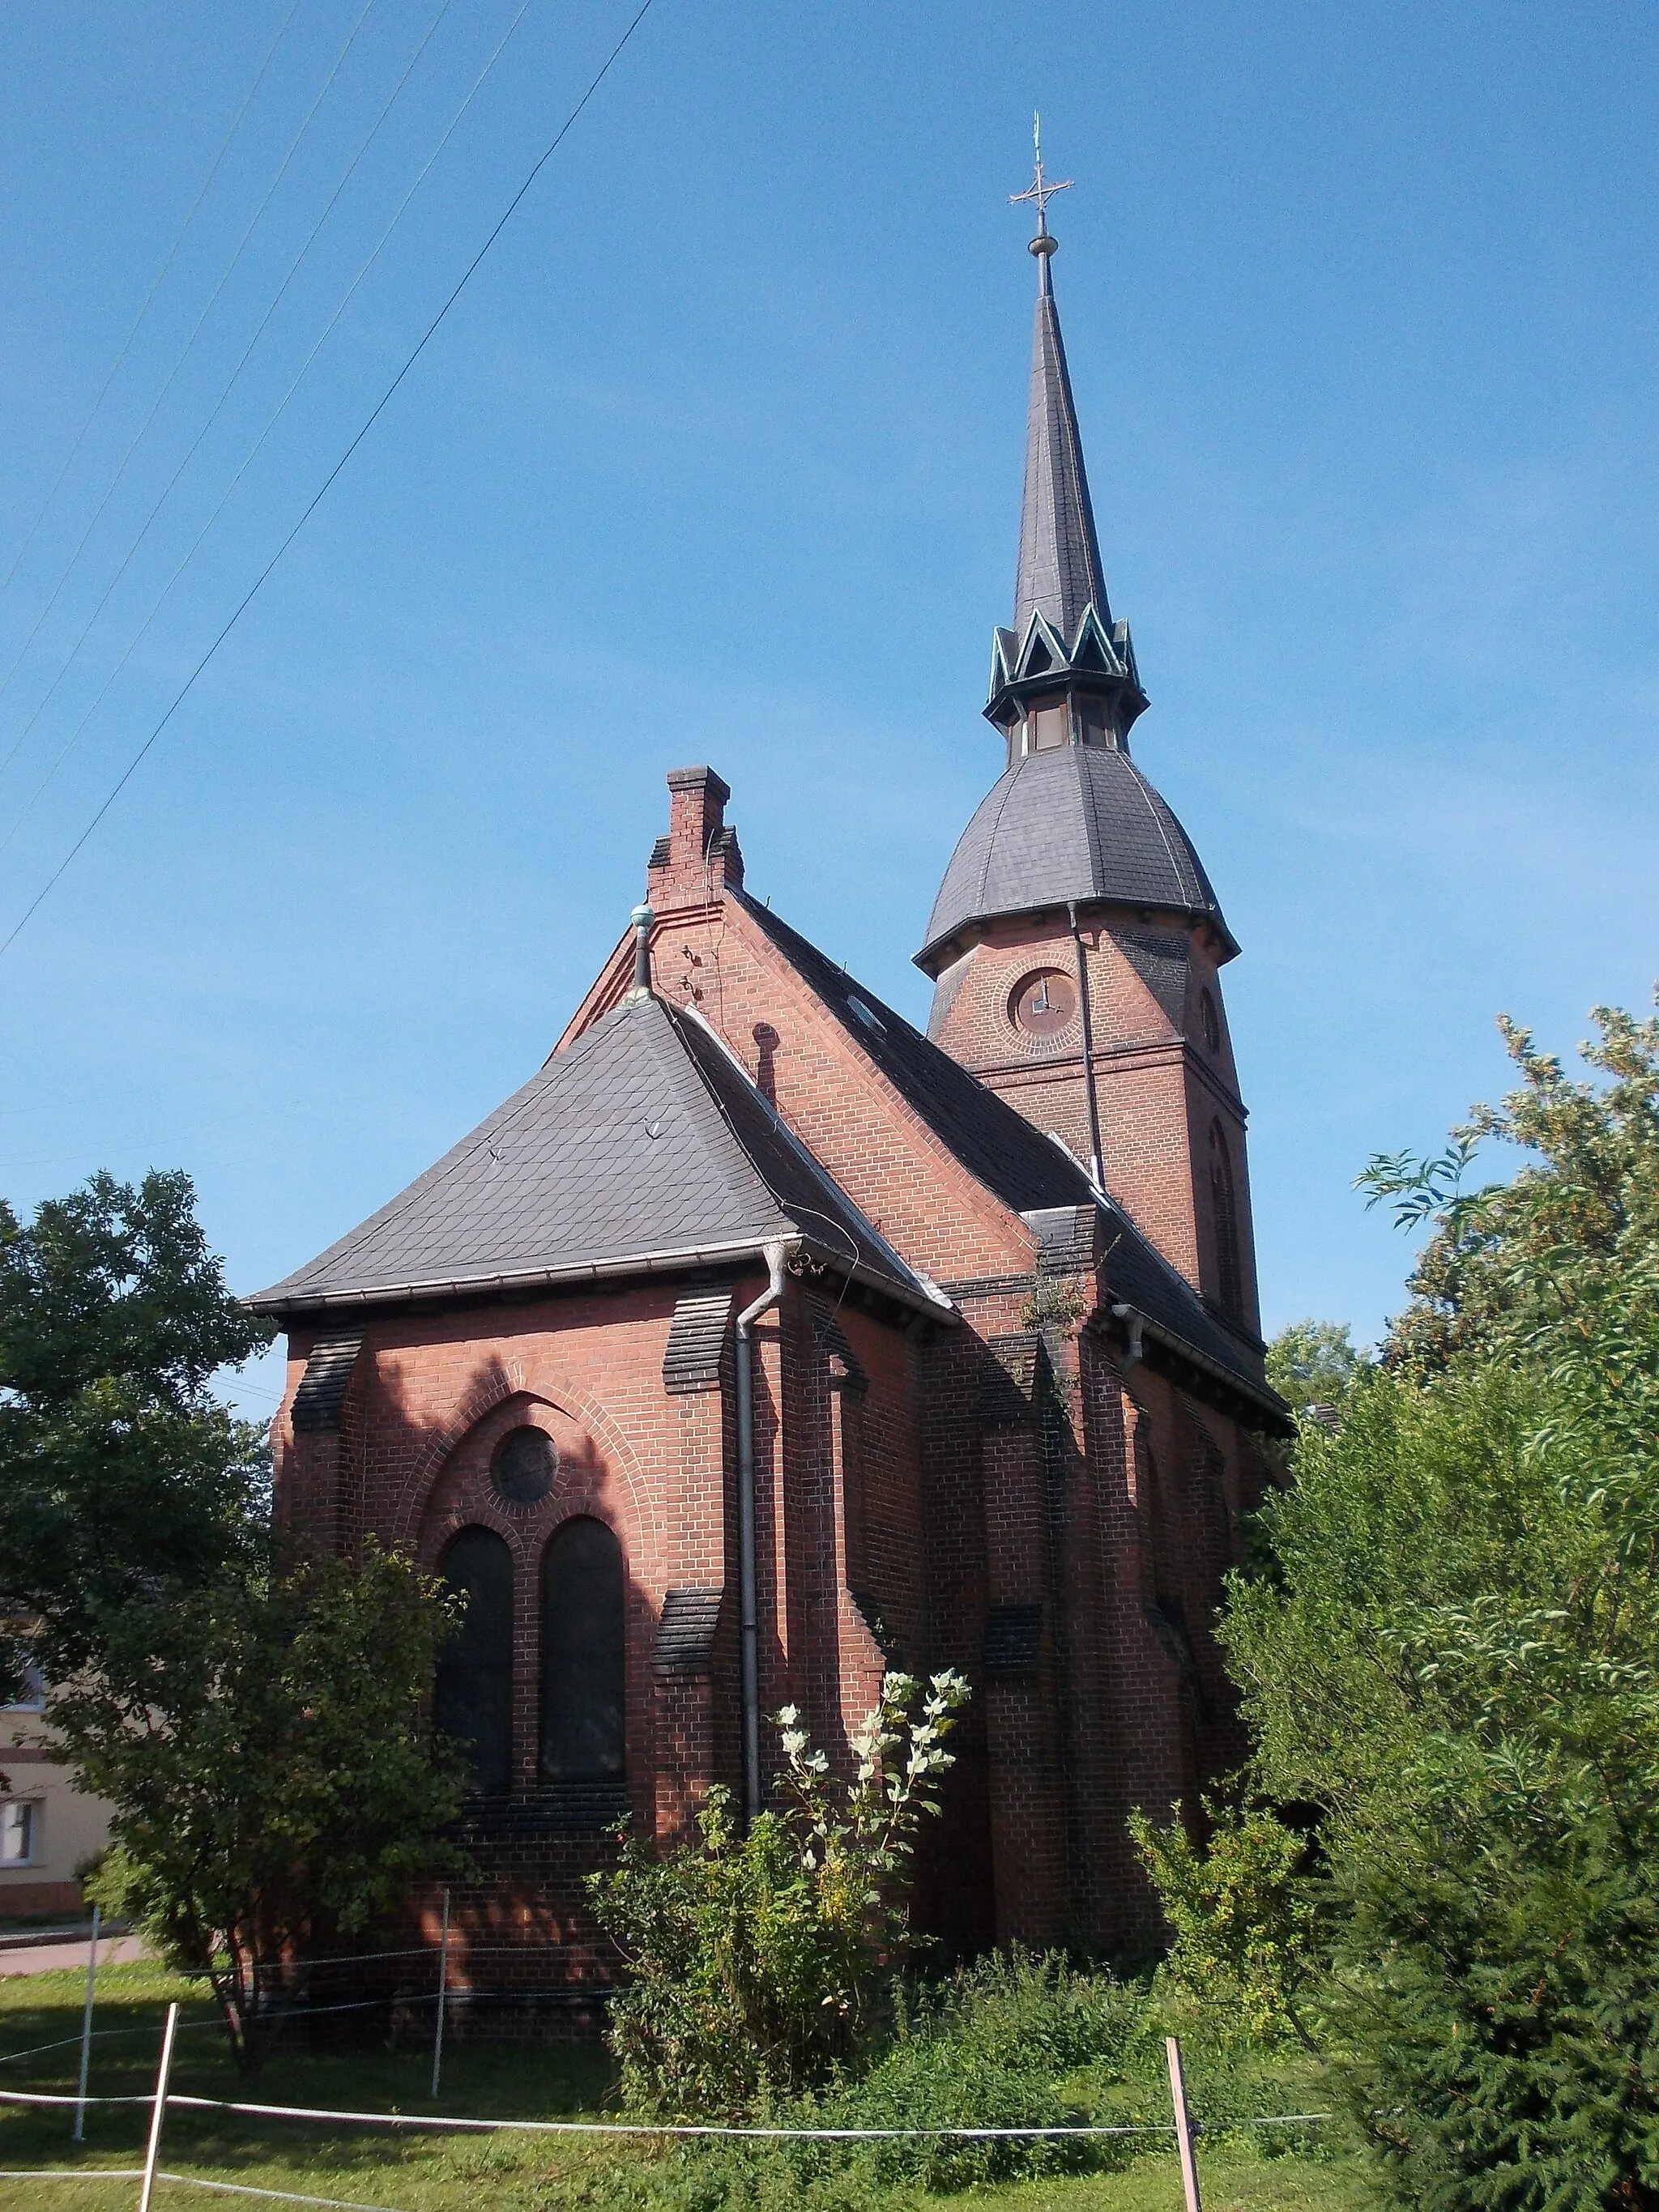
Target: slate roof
[1081,822]
[1060,571]
[1029,1173]
[641,1146]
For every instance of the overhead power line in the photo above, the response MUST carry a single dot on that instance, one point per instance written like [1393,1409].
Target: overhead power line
[276,417]
[321,493]
[149,301]
[173,374]
[229,387]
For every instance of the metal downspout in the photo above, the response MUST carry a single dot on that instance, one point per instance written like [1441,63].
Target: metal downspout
[748,1604]
[1094,1160]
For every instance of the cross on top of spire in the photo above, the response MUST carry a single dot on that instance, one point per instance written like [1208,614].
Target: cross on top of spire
[1041,190]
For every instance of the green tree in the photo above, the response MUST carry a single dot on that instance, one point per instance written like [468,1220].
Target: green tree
[121,1478]
[1455,1658]
[275,1783]
[1314,1362]
[1566,1234]
[756,1962]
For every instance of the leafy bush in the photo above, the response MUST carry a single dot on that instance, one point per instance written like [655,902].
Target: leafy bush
[992,2047]
[758,1962]
[1243,1915]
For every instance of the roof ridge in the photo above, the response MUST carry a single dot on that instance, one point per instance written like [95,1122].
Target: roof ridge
[676,1014]
[687,1061]
[796,1144]
[1155,799]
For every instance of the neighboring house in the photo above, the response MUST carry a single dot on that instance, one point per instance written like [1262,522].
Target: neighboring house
[1003,1406]
[48,1827]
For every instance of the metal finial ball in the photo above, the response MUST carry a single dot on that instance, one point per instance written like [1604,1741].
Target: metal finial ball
[1043,244]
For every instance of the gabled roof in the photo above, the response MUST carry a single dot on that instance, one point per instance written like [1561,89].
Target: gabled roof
[1080,822]
[640,1148]
[1029,1173]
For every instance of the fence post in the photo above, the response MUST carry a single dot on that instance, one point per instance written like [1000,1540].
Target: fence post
[86,2025]
[443,1996]
[160,2112]
[1184,2124]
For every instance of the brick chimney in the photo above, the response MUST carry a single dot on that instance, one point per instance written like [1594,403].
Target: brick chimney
[698,857]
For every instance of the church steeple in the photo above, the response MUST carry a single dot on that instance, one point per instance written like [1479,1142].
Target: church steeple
[1075,943]
[1060,571]
[1063,628]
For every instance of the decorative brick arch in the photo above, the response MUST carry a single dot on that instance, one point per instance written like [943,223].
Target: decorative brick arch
[543,1380]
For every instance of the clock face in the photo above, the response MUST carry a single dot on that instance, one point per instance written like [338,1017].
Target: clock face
[1044,1003]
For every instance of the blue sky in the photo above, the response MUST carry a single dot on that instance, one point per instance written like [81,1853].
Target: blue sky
[718,458]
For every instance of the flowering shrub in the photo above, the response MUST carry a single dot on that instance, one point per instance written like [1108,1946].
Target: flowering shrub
[758,1962]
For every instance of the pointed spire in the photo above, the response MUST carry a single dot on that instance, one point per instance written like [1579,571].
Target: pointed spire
[1060,571]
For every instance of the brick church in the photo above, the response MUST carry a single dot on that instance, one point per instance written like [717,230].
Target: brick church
[760,1343]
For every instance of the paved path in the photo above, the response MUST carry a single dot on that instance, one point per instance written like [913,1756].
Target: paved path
[50,1958]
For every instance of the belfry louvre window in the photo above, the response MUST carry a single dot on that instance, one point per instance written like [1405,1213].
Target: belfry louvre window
[1050,723]
[472,1695]
[583,1665]
[1223,1206]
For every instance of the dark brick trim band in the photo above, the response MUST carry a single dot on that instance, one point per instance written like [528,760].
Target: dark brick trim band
[685,1633]
[696,1338]
[321,1393]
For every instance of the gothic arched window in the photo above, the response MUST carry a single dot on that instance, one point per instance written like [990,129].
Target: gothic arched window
[1224,1210]
[583,1666]
[473,1694]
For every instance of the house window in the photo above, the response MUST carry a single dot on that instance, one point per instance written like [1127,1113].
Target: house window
[583,1665]
[472,1696]
[1224,1208]
[33,1696]
[20,1832]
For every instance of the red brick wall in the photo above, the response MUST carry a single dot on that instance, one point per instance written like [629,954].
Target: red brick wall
[1158,1081]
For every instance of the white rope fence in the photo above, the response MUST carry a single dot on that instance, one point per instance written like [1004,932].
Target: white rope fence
[457,2124]
[1185,2129]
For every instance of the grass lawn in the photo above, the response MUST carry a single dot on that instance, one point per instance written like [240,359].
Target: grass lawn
[507,2173]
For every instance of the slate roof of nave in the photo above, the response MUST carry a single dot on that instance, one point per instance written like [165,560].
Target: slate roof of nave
[640,1146]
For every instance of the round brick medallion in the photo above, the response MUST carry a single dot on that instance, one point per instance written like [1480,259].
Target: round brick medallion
[1043,1004]
[526,1461]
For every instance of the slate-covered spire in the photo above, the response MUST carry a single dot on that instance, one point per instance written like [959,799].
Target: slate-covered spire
[1060,571]
[1063,633]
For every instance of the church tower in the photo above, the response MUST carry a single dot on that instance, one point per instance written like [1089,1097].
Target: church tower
[1076,943]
